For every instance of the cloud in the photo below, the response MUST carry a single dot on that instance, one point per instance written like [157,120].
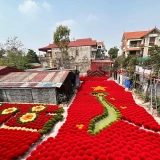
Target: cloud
[91,17]
[31,7]
[28,7]
[46,6]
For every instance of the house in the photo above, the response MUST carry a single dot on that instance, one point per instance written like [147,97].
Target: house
[37,86]
[105,65]
[80,54]
[138,43]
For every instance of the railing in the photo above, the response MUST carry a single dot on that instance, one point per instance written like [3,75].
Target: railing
[151,43]
[134,45]
[142,45]
[94,49]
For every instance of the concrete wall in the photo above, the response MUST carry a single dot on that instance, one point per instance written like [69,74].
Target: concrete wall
[147,39]
[120,79]
[43,95]
[79,57]
[46,95]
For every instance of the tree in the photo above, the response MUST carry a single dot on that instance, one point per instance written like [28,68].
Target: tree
[152,63]
[113,52]
[32,57]
[61,39]
[17,60]
[118,63]
[129,64]
[12,44]
[154,59]
[13,55]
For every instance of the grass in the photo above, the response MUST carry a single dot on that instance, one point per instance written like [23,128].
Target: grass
[112,116]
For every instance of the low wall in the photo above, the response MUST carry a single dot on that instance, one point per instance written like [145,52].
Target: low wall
[35,95]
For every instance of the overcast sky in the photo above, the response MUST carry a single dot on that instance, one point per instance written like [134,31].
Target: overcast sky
[34,21]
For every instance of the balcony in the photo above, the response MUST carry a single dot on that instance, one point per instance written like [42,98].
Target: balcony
[134,45]
[94,49]
[141,45]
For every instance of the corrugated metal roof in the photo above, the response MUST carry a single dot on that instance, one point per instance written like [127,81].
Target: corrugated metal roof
[2,67]
[34,79]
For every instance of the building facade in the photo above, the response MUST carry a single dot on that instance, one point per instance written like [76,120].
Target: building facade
[80,54]
[138,43]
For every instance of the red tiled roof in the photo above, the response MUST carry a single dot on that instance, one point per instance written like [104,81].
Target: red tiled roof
[77,43]
[138,34]
[84,39]
[100,43]
[50,46]
[132,35]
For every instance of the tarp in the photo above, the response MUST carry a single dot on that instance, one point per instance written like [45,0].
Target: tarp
[127,83]
[142,59]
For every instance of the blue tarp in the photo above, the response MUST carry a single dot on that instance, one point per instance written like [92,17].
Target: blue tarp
[127,83]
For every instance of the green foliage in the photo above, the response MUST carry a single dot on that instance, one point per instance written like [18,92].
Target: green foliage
[12,54]
[154,59]
[61,39]
[113,52]
[129,64]
[61,110]
[118,63]
[50,123]
[2,52]
[17,60]
[32,57]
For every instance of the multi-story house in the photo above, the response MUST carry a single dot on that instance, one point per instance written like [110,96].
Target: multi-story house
[80,54]
[138,43]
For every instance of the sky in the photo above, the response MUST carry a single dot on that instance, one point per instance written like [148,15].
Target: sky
[35,21]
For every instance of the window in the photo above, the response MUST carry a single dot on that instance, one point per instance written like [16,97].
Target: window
[152,41]
[132,52]
[77,52]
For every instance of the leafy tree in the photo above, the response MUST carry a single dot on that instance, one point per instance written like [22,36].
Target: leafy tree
[17,60]
[113,52]
[32,57]
[61,39]
[118,63]
[153,63]
[129,64]
[154,59]
[13,55]
[12,44]
[2,52]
